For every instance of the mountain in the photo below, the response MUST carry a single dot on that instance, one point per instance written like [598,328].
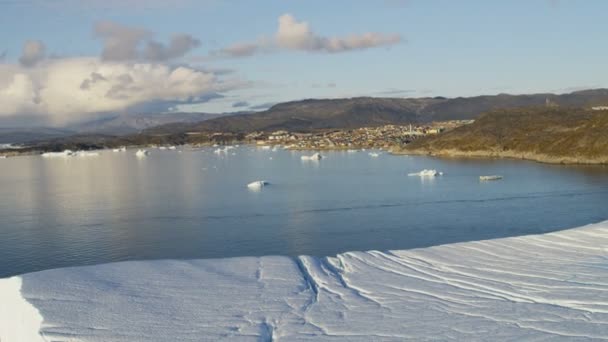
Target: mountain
[311,114]
[118,125]
[553,135]
[18,135]
[133,123]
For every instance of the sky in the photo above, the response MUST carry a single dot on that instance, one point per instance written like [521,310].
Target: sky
[62,61]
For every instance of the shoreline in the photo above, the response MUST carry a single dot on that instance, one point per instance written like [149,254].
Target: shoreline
[393,150]
[517,155]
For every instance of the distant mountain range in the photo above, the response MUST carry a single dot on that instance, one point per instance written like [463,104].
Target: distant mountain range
[298,116]
[19,135]
[113,126]
[310,115]
[129,124]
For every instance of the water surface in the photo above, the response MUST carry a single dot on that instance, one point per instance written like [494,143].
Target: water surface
[75,211]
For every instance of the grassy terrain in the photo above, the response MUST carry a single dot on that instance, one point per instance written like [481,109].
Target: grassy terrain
[565,135]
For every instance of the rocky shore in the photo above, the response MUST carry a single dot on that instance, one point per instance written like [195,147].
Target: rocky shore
[538,157]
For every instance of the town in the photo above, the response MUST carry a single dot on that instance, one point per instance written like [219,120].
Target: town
[384,136]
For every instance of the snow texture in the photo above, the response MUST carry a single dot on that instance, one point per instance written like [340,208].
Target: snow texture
[539,287]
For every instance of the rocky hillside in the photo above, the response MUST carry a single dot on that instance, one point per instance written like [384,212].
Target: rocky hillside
[311,115]
[554,135]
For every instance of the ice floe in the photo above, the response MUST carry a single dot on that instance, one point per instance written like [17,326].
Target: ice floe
[257,185]
[65,153]
[141,153]
[85,154]
[120,149]
[539,287]
[426,173]
[316,156]
[374,154]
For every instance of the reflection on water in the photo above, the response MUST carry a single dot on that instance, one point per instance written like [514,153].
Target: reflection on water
[196,204]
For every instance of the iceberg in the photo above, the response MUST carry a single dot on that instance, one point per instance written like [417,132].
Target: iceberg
[257,185]
[490,178]
[316,156]
[65,153]
[141,153]
[426,173]
[540,287]
[85,154]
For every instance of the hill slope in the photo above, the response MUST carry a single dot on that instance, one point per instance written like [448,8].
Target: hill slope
[544,134]
[310,115]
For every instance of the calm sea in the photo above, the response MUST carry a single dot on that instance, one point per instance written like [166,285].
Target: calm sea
[57,212]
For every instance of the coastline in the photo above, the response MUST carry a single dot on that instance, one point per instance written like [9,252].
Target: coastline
[394,150]
[483,154]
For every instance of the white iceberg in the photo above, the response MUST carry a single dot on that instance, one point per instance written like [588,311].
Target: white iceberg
[426,173]
[490,178]
[257,185]
[65,153]
[141,153]
[316,156]
[85,154]
[542,287]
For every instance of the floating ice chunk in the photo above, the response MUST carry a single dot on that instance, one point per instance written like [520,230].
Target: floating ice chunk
[172,148]
[120,149]
[265,147]
[427,173]
[141,153]
[316,156]
[257,185]
[65,153]
[85,154]
[2,157]
[162,148]
[490,178]
[351,151]
[374,154]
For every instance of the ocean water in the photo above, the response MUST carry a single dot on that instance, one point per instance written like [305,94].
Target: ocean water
[58,212]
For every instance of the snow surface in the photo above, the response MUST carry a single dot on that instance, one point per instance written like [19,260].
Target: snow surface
[540,287]
[19,320]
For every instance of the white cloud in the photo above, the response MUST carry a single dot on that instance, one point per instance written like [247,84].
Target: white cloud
[298,35]
[64,89]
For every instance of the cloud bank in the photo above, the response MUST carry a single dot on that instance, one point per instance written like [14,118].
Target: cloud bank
[298,35]
[62,90]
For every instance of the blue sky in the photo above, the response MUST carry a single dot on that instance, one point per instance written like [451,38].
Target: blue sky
[448,48]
